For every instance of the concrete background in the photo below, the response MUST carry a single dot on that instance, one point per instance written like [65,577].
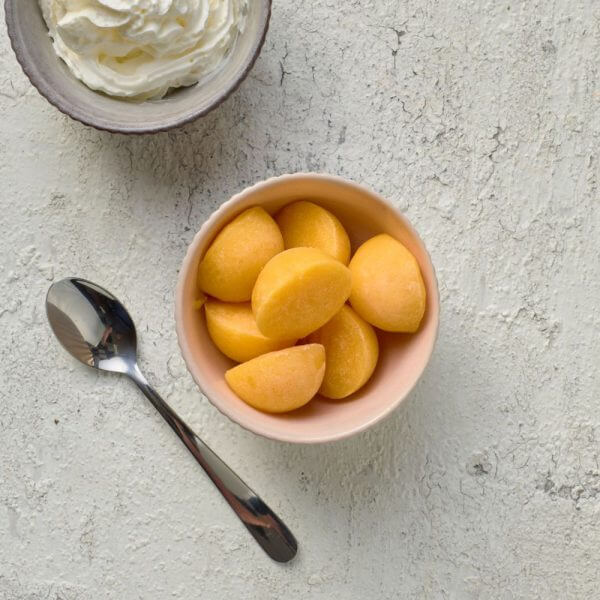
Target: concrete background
[480,120]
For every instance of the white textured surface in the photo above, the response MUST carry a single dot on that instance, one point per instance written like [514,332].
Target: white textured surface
[482,121]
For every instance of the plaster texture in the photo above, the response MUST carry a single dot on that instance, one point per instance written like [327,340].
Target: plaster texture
[480,120]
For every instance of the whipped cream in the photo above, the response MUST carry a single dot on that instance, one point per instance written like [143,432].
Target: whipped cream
[140,49]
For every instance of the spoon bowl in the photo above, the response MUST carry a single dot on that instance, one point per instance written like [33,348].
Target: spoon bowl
[92,325]
[95,328]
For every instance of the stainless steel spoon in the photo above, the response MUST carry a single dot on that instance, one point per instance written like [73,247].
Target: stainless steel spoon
[97,330]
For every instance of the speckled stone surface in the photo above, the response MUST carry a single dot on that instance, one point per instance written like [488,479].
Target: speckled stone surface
[481,120]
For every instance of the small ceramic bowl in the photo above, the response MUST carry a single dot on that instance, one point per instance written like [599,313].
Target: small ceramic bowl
[402,357]
[53,79]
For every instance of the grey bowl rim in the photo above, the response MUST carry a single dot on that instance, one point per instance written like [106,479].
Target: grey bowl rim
[56,99]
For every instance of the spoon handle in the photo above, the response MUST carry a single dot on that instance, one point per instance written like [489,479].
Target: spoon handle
[266,527]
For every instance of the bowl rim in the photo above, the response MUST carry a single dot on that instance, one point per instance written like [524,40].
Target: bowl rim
[73,111]
[179,303]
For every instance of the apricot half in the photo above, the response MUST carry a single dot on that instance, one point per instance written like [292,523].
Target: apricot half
[298,291]
[233,329]
[351,351]
[387,285]
[233,261]
[306,224]
[279,381]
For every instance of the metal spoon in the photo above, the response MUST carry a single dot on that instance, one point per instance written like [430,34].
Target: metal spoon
[97,330]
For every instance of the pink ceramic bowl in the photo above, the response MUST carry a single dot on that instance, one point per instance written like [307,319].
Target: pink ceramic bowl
[402,357]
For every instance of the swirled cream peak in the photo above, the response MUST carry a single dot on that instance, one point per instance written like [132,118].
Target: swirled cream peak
[140,49]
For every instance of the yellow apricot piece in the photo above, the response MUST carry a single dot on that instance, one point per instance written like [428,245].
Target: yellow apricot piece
[279,381]
[306,224]
[387,286]
[233,329]
[242,248]
[298,291]
[351,353]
